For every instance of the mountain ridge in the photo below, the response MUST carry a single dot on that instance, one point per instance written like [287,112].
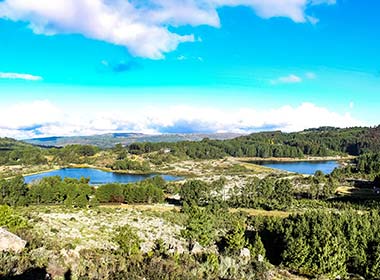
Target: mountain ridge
[109,140]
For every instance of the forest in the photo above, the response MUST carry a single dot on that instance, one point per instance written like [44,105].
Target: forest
[325,141]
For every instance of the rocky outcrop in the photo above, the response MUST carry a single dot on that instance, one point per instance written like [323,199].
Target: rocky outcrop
[197,249]
[10,242]
[245,253]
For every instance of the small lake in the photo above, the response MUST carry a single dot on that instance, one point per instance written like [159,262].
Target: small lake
[302,167]
[97,177]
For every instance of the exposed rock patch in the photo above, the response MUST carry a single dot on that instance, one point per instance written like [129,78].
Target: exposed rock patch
[10,242]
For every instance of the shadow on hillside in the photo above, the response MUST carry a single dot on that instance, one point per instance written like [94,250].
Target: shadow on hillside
[35,274]
[357,183]
[173,201]
[30,274]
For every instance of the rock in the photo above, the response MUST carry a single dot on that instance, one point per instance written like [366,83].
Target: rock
[245,253]
[175,197]
[227,264]
[71,257]
[197,249]
[10,242]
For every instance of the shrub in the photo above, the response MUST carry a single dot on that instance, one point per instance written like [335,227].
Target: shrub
[10,220]
[128,240]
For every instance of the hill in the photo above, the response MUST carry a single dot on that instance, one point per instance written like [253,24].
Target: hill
[325,141]
[111,139]
[18,152]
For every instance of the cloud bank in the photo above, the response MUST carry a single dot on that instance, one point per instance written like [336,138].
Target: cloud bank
[141,26]
[42,119]
[19,76]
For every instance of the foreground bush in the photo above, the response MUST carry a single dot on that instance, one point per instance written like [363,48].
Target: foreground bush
[10,220]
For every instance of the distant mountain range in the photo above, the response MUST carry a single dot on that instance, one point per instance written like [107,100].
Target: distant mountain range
[111,139]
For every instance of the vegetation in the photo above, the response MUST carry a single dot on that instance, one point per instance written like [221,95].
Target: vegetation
[325,141]
[13,152]
[141,192]
[132,165]
[228,222]
[324,243]
[11,220]
[128,241]
[73,154]
[78,193]
[13,192]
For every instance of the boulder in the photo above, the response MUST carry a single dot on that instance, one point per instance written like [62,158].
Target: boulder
[197,249]
[245,253]
[10,242]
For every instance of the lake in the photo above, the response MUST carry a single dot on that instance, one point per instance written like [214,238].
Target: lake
[97,177]
[302,167]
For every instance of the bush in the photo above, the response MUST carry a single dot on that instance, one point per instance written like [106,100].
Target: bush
[132,165]
[200,226]
[110,193]
[128,240]
[195,191]
[10,220]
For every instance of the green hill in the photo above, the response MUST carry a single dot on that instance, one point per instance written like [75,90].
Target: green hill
[18,152]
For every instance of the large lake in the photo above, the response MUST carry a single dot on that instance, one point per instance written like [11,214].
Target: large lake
[302,167]
[97,177]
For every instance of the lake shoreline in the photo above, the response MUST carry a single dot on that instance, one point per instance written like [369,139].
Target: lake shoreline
[35,173]
[245,160]
[98,176]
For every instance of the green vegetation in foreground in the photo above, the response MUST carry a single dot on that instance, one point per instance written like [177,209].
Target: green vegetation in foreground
[316,243]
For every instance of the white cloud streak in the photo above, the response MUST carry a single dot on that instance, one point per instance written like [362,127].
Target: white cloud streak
[291,79]
[141,26]
[42,118]
[19,76]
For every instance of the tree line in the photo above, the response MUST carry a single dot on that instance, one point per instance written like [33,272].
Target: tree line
[324,141]
[78,193]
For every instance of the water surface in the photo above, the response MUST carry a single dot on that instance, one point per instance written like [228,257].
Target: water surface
[302,167]
[97,177]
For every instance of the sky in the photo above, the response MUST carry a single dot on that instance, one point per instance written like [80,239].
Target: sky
[82,67]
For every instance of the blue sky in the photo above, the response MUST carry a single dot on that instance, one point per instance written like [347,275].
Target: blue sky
[83,67]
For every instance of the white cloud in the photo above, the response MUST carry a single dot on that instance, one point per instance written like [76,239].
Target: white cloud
[28,115]
[19,76]
[352,105]
[42,118]
[117,22]
[291,79]
[141,26]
